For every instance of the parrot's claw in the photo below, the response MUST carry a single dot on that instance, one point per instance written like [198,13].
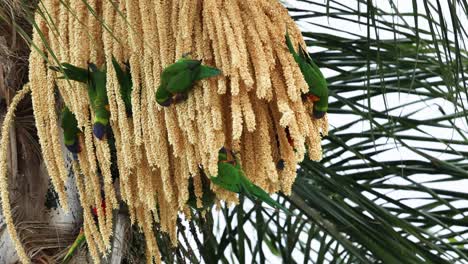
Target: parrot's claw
[179,97]
[99,130]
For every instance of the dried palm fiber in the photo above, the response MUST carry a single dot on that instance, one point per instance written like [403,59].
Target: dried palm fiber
[252,108]
[4,143]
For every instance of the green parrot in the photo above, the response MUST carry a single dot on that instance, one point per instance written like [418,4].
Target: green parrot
[178,78]
[208,197]
[99,101]
[125,82]
[232,178]
[70,130]
[318,88]
[75,246]
[96,82]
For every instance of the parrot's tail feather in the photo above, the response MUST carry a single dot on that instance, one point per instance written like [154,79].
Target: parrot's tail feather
[75,246]
[208,72]
[265,197]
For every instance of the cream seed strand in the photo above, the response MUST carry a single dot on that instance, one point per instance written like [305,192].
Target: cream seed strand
[254,107]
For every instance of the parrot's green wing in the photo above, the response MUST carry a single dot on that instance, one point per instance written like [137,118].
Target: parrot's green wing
[125,82]
[173,69]
[228,177]
[97,79]
[207,72]
[164,97]
[228,173]
[74,247]
[231,177]
[70,130]
[313,76]
[71,72]
[182,82]
[99,101]
[317,85]
[178,78]
[316,72]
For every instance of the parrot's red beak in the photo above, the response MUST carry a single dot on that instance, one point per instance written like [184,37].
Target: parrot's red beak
[313,98]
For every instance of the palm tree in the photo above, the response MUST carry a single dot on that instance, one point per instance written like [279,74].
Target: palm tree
[391,187]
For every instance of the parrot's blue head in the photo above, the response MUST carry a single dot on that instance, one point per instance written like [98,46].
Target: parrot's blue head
[75,147]
[318,114]
[99,130]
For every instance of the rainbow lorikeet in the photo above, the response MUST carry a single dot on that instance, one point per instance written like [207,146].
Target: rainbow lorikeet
[96,82]
[232,178]
[179,78]
[125,82]
[70,130]
[318,87]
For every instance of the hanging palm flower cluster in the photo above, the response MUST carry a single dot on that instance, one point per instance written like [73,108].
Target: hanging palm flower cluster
[175,103]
